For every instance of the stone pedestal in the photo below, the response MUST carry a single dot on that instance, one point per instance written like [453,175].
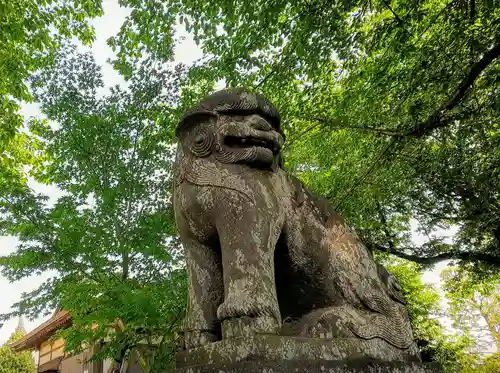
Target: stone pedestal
[275,354]
[322,366]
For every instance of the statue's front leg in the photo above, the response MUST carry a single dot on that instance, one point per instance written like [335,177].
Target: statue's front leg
[205,293]
[203,264]
[248,232]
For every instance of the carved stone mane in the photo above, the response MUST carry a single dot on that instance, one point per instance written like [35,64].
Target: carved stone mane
[264,255]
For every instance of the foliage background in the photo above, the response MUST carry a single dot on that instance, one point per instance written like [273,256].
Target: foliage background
[389,109]
[15,362]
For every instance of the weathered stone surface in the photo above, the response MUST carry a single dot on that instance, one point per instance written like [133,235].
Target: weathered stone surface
[316,366]
[278,348]
[266,256]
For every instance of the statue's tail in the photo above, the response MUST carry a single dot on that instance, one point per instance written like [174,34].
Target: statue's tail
[385,319]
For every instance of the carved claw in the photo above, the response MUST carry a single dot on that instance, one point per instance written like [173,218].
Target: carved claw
[327,323]
[246,326]
[322,331]
[197,338]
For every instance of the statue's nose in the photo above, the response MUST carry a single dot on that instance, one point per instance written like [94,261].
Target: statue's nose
[259,123]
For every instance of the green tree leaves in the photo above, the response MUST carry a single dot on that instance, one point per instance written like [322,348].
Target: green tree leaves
[389,108]
[30,33]
[474,308]
[474,303]
[15,362]
[386,101]
[109,239]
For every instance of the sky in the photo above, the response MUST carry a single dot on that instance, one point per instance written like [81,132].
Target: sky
[106,26]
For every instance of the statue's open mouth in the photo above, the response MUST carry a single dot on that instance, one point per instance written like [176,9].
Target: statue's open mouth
[247,142]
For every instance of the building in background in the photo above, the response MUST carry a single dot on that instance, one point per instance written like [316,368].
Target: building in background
[49,352]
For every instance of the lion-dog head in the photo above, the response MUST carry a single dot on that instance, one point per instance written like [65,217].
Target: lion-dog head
[234,126]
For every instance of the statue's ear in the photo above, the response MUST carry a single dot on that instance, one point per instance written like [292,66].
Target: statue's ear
[191,121]
[201,142]
[197,135]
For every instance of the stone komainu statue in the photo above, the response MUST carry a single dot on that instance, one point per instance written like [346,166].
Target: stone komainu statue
[265,255]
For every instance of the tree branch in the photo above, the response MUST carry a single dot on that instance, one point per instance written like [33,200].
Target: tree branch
[308,129]
[436,119]
[385,228]
[400,22]
[475,70]
[457,255]
[338,124]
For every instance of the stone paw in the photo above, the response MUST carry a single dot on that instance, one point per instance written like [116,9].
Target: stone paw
[325,323]
[197,338]
[321,331]
[245,326]
[235,306]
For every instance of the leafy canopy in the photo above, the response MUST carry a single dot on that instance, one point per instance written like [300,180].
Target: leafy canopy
[30,33]
[109,241]
[15,362]
[474,303]
[389,109]
[390,106]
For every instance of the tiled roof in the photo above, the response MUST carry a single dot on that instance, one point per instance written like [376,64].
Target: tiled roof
[43,332]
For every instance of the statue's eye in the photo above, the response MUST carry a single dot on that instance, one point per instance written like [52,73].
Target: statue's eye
[198,139]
